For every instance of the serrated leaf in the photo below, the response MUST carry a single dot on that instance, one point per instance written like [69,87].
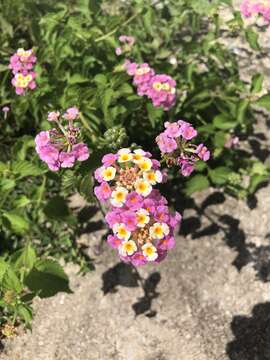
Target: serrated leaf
[7,184]
[264,102]
[24,259]
[25,168]
[47,278]
[196,183]
[220,175]
[11,281]
[17,223]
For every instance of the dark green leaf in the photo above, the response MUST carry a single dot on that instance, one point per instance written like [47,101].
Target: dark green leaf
[47,278]
[57,208]
[220,175]
[196,183]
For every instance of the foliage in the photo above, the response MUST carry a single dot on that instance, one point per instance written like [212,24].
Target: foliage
[75,43]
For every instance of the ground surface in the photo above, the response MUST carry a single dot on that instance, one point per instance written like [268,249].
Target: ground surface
[210,300]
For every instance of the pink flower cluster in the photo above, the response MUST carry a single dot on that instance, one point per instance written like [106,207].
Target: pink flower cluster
[21,64]
[145,233]
[127,177]
[176,148]
[60,147]
[139,216]
[161,89]
[256,7]
[127,43]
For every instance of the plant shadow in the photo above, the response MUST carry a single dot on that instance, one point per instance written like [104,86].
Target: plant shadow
[123,274]
[252,335]
[203,221]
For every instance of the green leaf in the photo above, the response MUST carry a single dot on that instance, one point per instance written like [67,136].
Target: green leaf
[22,145]
[24,259]
[86,187]
[57,208]
[3,167]
[259,168]
[264,102]
[242,107]
[47,278]
[77,79]
[196,183]
[7,184]
[256,83]
[16,222]
[11,281]
[147,20]
[25,312]
[21,202]
[106,100]
[219,139]
[255,181]
[224,122]
[100,80]
[252,38]
[200,165]
[154,114]
[25,168]
[3,268]
[220,175]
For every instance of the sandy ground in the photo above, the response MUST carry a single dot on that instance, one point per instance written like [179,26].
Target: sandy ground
[210,300]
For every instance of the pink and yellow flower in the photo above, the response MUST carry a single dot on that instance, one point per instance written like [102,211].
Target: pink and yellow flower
[61,147]
[149,239]
[176,148]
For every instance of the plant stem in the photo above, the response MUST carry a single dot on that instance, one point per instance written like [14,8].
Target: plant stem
[103,37]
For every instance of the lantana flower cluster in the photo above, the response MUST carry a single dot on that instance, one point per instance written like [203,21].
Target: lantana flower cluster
[160,89]
[61,147]
[177,149]
[127,43]
[21,64]
[256,7]
[139,216]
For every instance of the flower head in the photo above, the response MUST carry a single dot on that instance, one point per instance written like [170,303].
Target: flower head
[162,91]
[71,113]
[53,115]
[176,148]
[127,43]
[130,175]
[146,234]
[60,147]
[21,64]
[249,8]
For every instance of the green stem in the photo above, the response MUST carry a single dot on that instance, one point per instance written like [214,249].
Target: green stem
[103,37]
